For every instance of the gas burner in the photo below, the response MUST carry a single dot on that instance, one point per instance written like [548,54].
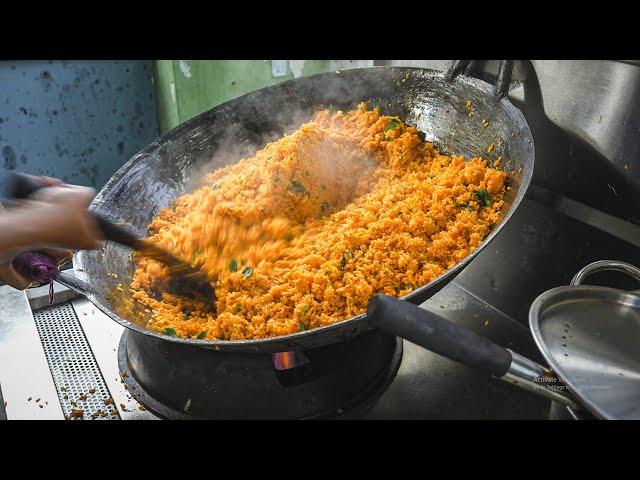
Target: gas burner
[181,382]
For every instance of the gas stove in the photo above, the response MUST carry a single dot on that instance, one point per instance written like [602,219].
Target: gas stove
[69,359]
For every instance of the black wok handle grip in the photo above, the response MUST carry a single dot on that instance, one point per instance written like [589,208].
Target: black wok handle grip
[18,186]
[437,334]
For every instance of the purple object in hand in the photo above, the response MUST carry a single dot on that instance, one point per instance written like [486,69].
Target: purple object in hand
[35,266]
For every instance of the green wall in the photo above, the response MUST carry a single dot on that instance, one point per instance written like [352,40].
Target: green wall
[185,88]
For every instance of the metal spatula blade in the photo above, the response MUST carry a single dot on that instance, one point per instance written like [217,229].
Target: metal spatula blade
[184,280]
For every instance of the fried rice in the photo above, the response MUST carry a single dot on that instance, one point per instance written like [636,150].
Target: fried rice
[302,234]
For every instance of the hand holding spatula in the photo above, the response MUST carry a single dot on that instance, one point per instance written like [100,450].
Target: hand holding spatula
[185,280]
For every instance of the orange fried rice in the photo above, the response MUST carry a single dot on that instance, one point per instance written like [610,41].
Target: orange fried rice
[304,233]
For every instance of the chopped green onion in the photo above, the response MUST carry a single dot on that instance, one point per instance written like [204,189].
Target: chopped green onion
[201,335]
[298,187]
[465,206]
[247,271]
[343,261]
[301,327]
[392,125]
[233,266]
[169,331]
[483,197]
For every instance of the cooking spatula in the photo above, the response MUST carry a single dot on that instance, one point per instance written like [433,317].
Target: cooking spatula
[184,279]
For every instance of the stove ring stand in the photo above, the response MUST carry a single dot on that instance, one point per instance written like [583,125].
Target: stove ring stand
[356,400]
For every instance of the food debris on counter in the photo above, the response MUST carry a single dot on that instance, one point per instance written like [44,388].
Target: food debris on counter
[77,413]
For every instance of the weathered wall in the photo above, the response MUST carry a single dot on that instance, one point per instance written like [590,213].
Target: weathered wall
[75,120]
[186,88]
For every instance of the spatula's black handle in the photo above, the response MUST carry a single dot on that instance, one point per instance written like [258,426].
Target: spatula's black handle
[19,186]
[115,233]
[437,334]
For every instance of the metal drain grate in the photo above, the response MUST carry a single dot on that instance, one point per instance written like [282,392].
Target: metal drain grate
[73,367]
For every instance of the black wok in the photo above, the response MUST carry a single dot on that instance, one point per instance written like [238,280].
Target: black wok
[436,103]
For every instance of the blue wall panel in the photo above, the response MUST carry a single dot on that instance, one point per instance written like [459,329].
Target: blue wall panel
[75,120]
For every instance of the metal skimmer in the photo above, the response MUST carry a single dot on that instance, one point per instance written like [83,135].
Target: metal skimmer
[72,364]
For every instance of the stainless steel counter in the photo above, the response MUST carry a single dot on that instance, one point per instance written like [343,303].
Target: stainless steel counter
[427,386]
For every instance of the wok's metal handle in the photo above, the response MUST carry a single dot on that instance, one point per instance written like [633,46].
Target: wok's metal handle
[441,336]
[69,280]
[456,68]
[501,87]
[603,265]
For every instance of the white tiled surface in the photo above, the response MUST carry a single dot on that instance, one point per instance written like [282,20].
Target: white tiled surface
[24,371]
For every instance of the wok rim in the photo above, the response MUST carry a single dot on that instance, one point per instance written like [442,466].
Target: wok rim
[261,344]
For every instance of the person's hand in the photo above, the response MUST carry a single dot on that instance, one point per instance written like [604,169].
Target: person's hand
[54,215]
[9,275]
[62,215]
